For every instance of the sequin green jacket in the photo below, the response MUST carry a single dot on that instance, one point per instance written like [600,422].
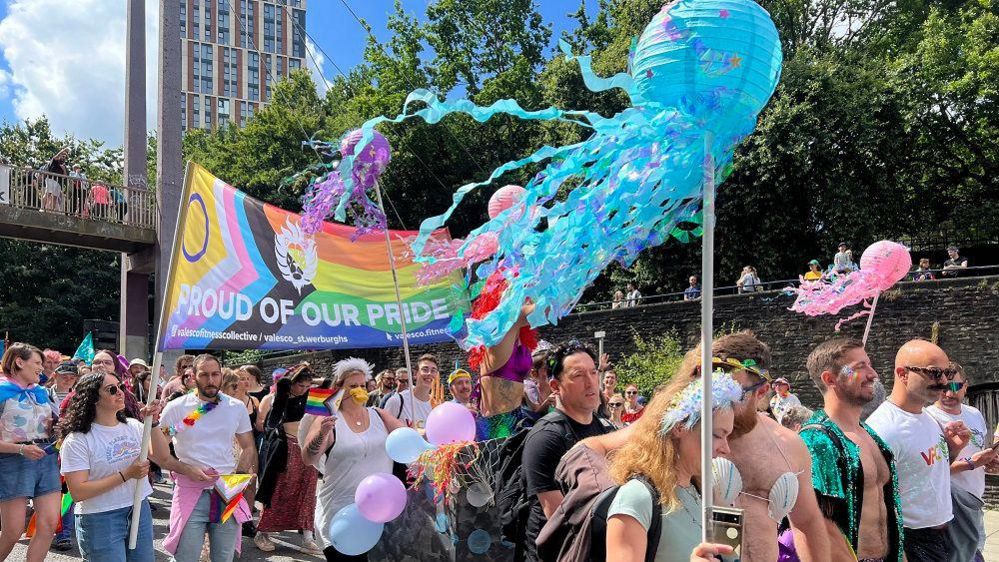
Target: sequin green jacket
[839,480]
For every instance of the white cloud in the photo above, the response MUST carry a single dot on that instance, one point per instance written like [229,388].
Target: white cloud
[67,61]
[4,84]
[314,58]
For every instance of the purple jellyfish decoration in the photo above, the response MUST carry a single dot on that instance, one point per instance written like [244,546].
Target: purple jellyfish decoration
[365,155]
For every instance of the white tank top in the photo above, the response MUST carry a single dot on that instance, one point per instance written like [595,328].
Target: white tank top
[354,457]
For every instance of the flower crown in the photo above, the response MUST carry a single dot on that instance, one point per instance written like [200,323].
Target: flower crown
[686,405]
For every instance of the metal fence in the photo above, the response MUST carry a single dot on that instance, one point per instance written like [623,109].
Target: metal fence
[780,285]
[79,197]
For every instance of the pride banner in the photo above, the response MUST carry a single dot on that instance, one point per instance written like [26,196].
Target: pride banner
[245,277]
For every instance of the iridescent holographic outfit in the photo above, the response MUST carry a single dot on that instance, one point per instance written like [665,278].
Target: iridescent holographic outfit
[839,480]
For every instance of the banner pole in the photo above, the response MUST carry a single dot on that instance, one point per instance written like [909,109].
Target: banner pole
[707,332]
[154,381]
[398,300]
[870,318]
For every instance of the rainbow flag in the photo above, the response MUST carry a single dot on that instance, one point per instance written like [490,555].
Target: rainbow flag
[323,401]
[230,489]
[244,276]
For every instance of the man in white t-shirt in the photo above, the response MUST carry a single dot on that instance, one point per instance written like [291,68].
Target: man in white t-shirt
[783,400]
[923,449]
[412,406]
[206,444]
[967,473]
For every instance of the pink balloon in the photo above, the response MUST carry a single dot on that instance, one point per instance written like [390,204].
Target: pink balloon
[890,261]
[380,497]
[504,198]
[450,423]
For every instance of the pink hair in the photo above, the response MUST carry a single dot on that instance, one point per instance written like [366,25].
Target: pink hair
[52,355]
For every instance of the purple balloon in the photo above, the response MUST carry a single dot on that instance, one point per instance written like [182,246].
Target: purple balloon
[380,497]
[450,423]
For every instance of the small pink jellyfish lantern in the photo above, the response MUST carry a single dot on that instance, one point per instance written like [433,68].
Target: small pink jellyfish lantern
[889,261]
[504,198]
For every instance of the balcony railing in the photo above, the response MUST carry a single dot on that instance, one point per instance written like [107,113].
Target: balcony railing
[77,197]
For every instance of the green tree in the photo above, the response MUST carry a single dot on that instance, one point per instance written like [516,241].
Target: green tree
[654,362]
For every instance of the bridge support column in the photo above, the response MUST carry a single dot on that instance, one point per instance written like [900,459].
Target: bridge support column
[134,317]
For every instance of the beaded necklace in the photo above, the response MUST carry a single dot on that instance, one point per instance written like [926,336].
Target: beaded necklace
[190,419]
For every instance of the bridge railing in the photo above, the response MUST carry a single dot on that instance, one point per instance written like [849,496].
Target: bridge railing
[78,197]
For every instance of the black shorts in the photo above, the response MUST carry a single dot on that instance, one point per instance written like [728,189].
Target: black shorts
[927,545]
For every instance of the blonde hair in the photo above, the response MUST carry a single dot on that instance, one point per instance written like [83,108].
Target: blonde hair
[229,377]
[649,453]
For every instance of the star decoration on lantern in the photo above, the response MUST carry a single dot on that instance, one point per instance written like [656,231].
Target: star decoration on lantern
[723,14]
[648,73]
[735,61]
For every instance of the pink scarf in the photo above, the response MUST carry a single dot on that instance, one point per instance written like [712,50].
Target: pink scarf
[186,493]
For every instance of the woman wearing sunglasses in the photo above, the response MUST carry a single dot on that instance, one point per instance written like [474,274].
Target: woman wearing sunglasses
[632,409]
[616,407]
[100,452]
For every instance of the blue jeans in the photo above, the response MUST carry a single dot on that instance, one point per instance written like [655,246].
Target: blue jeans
[222,536]
[68,521]
[103,537]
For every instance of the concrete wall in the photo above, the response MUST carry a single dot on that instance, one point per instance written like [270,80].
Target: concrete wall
[964,313]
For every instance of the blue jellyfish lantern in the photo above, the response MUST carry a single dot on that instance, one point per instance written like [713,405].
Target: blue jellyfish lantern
[700,69]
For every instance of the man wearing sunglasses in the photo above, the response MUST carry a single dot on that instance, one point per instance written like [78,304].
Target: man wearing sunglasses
[923,449]
[967,473]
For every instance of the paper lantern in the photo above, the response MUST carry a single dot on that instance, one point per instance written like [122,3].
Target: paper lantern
[504,198]
[723,55]
[375,155]
[889,260]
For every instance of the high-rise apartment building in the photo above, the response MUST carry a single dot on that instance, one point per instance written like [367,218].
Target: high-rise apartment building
[228,47]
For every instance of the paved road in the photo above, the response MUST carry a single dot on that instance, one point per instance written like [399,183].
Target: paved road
[288,550]
[287,542]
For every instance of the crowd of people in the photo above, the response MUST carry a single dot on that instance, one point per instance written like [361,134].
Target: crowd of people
[907,483]
[59,187]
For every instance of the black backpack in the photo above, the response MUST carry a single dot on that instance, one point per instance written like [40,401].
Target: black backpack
[598,527]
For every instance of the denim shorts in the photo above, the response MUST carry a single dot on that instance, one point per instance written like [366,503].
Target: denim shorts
[25,478]
[103,537]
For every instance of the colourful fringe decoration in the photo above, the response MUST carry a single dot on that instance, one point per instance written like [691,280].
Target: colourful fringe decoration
[441,467]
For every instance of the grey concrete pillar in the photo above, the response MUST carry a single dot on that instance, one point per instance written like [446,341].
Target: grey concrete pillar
[169,164]
[134,315]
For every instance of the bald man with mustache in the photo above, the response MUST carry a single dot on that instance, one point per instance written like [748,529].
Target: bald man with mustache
[923,449]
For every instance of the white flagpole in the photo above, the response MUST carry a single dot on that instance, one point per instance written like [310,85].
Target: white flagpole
[707,329]
[398,300]
[870,318]
[147,424]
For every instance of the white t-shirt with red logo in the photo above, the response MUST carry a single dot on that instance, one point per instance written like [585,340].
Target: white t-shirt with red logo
[923,463]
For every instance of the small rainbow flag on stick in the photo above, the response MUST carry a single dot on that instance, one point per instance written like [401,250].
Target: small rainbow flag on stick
[323,401]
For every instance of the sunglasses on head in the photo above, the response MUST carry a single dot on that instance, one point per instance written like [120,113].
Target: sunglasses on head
[748,365]
[114,388]
[934,372]
[562,351]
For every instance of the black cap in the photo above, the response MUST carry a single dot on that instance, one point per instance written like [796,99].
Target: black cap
[67,368]
[844,244]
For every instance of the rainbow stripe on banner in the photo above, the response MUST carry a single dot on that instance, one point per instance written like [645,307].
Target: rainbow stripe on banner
[244,276]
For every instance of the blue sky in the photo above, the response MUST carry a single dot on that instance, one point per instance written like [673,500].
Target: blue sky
[63,58]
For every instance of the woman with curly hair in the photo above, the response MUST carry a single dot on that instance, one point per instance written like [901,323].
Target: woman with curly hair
[100,452]
[27,458]
[659,463]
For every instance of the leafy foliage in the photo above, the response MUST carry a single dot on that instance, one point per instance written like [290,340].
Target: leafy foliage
[654,362]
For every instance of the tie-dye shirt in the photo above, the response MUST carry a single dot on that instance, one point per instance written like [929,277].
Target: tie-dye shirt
[24,417]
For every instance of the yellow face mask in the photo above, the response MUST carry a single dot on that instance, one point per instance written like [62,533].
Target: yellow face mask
[360,395]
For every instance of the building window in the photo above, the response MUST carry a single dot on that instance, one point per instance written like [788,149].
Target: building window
[297,38]
[294,64]
[253,80]
[279,31]
[223,22]
[269,28]
[196,122]
[183,18]
[183,112]
[268,72]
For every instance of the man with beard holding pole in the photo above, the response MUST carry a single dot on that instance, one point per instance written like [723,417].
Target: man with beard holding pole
[923,449]
[853,469]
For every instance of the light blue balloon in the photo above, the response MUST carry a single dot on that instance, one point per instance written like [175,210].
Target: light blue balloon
[352,534]
[479,541]
[405,445]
